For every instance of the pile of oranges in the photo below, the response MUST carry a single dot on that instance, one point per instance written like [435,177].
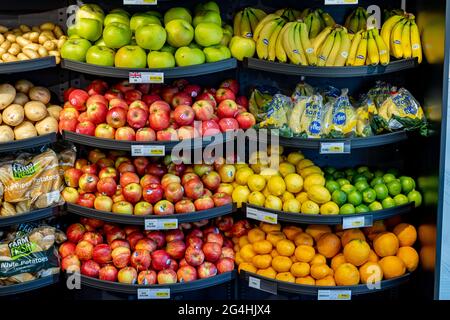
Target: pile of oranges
[427,239]
[318,256]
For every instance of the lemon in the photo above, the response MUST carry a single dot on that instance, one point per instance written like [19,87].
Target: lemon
[310,207]
[267,173]
[240,195]
[304,163]
[276,185]
[313,180]
[275,150]
[329,208]
[256,198]
[319,194]
[234,184]
[302,197]
[294,182]
[266,192]
[240,166]
[286,168]
[256,182]
[292,205]
[242,175]
[258,167]
[295,157]
[310,170]
[273,202]
[259,156]
[287,196]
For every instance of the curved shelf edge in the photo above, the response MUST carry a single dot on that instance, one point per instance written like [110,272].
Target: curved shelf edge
[29,285]
[29,216]
[169,73]
[28,143]
[27,65]
[329,72]
[140,220]
[294,288]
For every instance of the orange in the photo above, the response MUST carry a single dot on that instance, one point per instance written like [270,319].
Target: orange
[274,253]
[285,247]
[373,231]
[410,257]
[304,253]
[267,227]
[428,257]
[373,256]
[305,239]
[300,269]
[262,261]
[256,235]
[274,236]
[293,258]
[350,235]
[346,275]
[427,234]
[392,267]
[318,258]
[306,281]
[370,273]
[243,241]
[247,253]
[317,230]
[262,247]
[286,277]
[291,232]
[356,252]
[268,273]
[238,259]
[386,244]
[337,261]
[319,271]
[329,245]
[247,267]
[281,264]
[406,234]
[328,281]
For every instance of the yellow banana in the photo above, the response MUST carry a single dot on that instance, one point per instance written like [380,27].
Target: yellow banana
[260,14]
[354,23]
[253,20]
[262,44]
[386,30]
[406,41]
[246,29]
[298,45]
[334,50]
[237,23]
[262,23]
[289,43]
[373,56]
[280,51]
[383,52]
[273,40]
[362,20]
[329,21]
[416,45]
[344,49]
[396,39]
[306,44]
[326,49]
[361,53]
[354,48]
[316,25]
[317,41]
[348,19]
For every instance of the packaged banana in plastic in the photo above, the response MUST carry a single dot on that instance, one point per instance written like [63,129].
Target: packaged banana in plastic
[340,118]
[364,117]
[330,94]
[278,112]
[297,114]
[302,90]
[379,93]
[311,121]
[259,100]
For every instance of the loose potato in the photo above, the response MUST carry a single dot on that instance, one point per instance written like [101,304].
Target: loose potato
[6,134]
[43,38]
[7,57]
[23,86]
[24,28]
[54,111]
[7,95]
[49,45]
[43,52]
[47,26]
[46,126]
[14,49]
[21,41]
[36,29]
[2,38]
[24,131]
[49,34]
[0,123]
[40,94]
[26,36]
[3,29]
[6,44]
[21,98]
[22,56]
[34,36]
[31,46]
[11,38]
[56,54]
[2,51]
[35,110]
[13,115]
[32,54]
[58,31]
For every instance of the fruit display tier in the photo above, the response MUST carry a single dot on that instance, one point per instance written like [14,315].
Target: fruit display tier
[274,286]
[174,288]
[140,220]
[28,143]
[362,219]
[29,216]
[328,72]
[27,65]
[28,286]
[169,73]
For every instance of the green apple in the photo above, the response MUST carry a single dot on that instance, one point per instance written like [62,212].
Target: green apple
[186,56]
[75,36]
[168,48]
[100,42]
[179,33]
[242,47]
[228,29]
[177,13]
[89,29]
[156,14]
[211,5]
[90,11]
[207,16]
[217,53]
[151,36]
[142,19]
[120,11]
[72,30]
[130,57]
[159,60]
[194,45]
[116,17]
[100,55]
[208,34]
[75,49]
[116,35]
[227,35]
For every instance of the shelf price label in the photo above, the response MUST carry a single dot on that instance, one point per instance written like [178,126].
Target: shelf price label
[333,2]
[334,295]
[148,151]
[146,77]
[148,294]
[262,285]
[335,147]
[161,224]
[137,2]
[357,222]
[263,216]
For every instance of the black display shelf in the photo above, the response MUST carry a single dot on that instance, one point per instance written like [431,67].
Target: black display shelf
[28,143]
[275,286]
[29,216]
[169,73]
[29,285]
[27,65]
[328,72]
[140,220]
[174,288]
[334,219]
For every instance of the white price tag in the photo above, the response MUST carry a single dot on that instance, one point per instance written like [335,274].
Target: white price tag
[357,222]
[263,285]
[161,224]
[334,147]
[148,151]
[254,282]
[136,2]
[53,197]
[146,77]
[263,216]
[332,2]
[334,295]
[146,294]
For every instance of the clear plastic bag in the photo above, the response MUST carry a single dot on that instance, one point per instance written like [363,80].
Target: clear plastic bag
[340,117]
[312,118]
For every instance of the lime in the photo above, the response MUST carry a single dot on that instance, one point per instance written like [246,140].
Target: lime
[361,185]
[359,177]
[394,171]
[362,169]
[376,181]
[339,197]
[329,170]
[394,187]
[355,198]
[332,186]
[388,203]
[338,175]
[369,195]
[350,178]
[342,181]
[378,173]
[388,177]
[408,184]
[416,197]
[381,191]
[362,208]
[328,177]
[369,175]
[350,172]
[347,208]
[347,188]
[401,199]
[375,206]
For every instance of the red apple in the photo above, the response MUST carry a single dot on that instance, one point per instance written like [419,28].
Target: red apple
[207,192]
[108,227]
[242,101]
[147,277]
[228,253]
[227,124]
[211,180]
[144,88]
[107,186]
[108,172]
[132,192]
[184,206]
[231,84]
[158,237]
[66,249]
[79,163]
[78,98]
[167,276]
[227,109]
[176,249]
[104,131]
[175,234]
[84,250]
[240,228]
[97,87]
[210,128]
[121,257]
[95,155]
[159,120]
[140,163]
[67,92]
[223,223]
[168,93]
[134,237]
[194,189]
[189,176]
[113,94]
[108,273]
[125,167]
[83,117]
[137,118]
[169,178]
[116,117]
[141,260]
[75,232]
[128,177]
[224,94]
[118,103]
[149,179]
[187,132]
[105,163]
[90,169]
[184,115]
[121,159]
[222,199]
[86,200]
[70,263]
[139,104]
[183,263]
[156,169]
[88,182]
[143,208]
[97,112]
[203,110]
[194,242]
[163,207]
[122,207]
[181,98]
[194,256]
[67,125]
[86,128]
[146,244]
[246,120]
[115,233]
[206,270]
[102,254]
[70,195]
[174,192]
[90,268]
[204,203]
[93,237]
[124,86]
[225,265]
[125,134]
[180,84]
[133,95]
[160,106]
[160,260]
[145,134]
[212,251]
[168,134]
[152,193]
[186,274]
[192,90]
[150,98]
[215,237]
[72,176]
[127,275]
[208,97]
[196,233]
[119,243]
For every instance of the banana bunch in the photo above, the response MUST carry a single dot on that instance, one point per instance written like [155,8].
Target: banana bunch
[293,44]
[331,46]
[357,20]
[387,13]
[401,35]
[246,21]
[289,14]
[368,48]
[316,21]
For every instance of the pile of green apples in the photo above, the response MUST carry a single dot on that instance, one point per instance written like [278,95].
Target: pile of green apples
[148,39]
